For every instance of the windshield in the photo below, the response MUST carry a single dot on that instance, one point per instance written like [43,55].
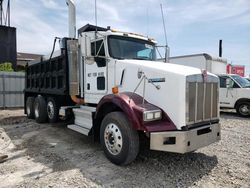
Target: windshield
[242,81]
[121,47]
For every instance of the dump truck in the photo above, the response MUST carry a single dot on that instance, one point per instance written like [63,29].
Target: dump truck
[234,90]
[112,85]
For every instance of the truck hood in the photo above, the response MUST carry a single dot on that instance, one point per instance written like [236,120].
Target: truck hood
[170,78]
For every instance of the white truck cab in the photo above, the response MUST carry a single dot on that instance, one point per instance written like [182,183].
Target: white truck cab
[235,93]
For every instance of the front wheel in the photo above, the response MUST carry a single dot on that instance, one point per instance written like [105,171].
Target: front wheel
[119,140]
[243,109]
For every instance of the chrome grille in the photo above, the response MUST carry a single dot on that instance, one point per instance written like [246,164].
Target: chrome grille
[201,101]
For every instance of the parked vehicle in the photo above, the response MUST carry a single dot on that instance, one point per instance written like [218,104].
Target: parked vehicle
[235,93]
[112,84]
[234,90]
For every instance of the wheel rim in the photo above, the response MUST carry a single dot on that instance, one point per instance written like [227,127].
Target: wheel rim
[50,110]
[245,109]
[113,139]
[36,110]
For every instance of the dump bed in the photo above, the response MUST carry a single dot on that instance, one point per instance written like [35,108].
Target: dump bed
[49,76]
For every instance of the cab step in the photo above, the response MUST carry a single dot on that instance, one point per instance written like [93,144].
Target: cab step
[83,119]
[79,129]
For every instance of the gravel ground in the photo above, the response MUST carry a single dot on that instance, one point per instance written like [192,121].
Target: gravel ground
[44,155]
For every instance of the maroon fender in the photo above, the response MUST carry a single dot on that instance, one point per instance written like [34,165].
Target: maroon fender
[132,105]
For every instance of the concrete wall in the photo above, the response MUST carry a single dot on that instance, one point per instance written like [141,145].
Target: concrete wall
[11,89]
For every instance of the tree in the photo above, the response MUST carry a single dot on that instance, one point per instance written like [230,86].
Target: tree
[6,67]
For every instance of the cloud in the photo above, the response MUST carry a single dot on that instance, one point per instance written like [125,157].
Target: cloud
[35,33]
[50,4]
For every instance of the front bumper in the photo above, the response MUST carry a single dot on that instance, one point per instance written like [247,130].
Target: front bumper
[185,141]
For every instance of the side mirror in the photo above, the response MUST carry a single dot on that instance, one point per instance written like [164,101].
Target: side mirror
[229,83]
[86,46]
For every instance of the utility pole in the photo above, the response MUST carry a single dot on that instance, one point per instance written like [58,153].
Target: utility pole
[5,19]
[1,12]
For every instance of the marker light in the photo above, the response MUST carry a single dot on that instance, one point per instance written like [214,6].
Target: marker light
[157,115]
[115,90]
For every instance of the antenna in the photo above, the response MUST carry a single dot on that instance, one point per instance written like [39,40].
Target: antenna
[8,13]
[165,33]
[95,20]
[147,20]
[1,12]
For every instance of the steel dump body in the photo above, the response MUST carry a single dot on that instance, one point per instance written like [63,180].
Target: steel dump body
[49,77]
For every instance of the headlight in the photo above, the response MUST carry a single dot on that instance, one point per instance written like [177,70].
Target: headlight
[151,115]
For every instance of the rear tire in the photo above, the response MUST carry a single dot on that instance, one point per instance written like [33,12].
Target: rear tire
[30,107]
[119,140]
[243,109]
[52,110]
[40,109]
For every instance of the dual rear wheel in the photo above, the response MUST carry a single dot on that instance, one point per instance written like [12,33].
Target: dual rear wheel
[42,110]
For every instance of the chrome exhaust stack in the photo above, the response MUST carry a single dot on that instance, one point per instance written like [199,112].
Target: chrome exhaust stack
[71,18]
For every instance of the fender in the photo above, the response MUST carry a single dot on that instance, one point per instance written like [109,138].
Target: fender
[132,105]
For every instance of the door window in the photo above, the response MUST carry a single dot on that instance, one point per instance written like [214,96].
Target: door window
[98,51]
[223,83]
[97,48]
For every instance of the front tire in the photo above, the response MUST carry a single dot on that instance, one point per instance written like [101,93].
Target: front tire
[243,109]
[119,140]
[30,107]
[40,109]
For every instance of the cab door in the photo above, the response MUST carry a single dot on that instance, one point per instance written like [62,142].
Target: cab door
[95,72]
[228,95]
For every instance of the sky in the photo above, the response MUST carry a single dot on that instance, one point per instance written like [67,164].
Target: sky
[193,26]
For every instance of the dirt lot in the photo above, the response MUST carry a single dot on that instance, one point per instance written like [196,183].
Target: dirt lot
[44,155]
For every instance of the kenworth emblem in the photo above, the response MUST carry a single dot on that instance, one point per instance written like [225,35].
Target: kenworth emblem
[204,75]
